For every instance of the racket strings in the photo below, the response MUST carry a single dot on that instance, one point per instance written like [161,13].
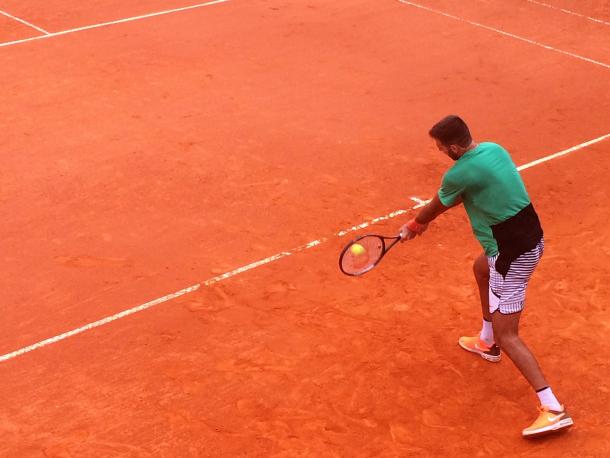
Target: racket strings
[362,255]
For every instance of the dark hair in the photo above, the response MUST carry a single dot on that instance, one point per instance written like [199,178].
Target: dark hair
[451,130]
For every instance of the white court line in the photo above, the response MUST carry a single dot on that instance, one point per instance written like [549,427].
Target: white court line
[95,324]
[563,153]
[507,34]
[40,29]
[283,254]
[573,13]
[119,21]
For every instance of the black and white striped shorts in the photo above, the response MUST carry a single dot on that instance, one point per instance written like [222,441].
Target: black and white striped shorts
[508,294]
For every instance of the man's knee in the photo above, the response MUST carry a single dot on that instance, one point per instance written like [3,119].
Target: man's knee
[480,268]
[506,339]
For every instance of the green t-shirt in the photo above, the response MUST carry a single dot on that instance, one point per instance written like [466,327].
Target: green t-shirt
[491,188]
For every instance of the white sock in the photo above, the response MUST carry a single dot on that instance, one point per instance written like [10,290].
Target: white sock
[547,398]
[487,333]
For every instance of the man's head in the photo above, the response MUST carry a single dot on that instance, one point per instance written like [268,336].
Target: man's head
[452,136]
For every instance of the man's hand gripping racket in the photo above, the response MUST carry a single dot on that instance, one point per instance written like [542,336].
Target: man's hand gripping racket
[365,252]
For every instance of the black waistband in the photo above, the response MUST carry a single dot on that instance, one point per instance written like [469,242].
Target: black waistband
[517,235]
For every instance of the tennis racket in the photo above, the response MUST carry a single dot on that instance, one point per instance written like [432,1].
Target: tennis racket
[364,253]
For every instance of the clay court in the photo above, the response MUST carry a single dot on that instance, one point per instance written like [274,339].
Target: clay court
[176,189]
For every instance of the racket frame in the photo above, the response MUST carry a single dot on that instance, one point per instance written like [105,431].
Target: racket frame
[386,244]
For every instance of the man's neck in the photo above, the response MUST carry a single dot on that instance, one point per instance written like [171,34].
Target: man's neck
[472,146]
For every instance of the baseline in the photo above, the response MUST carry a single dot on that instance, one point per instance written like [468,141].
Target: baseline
[118,21]
[24,22]
[507,34]
[573,13]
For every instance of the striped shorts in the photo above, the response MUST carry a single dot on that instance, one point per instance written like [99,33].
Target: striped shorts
[507,294]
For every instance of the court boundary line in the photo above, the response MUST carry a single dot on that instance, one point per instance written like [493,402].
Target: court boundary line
[117,21]
[253,265]
[573,13]
[24,22]
[507,34]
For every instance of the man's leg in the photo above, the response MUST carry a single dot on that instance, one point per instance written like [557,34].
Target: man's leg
[553,416]
[506,329]
[480,269]
[482,344]
[505,306]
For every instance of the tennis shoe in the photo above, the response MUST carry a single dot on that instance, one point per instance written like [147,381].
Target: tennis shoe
[548,421]
[478,346]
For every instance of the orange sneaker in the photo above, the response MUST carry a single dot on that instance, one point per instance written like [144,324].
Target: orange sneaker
[548,421]
[476,345]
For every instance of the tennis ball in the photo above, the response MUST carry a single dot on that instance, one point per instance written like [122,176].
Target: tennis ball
[357,249]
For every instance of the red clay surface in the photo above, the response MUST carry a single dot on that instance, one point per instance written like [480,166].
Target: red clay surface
[534,22]
[149,156]
[57,15]
[599,9]
[14,30]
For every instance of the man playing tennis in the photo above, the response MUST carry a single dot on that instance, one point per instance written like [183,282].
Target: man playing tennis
[485,179]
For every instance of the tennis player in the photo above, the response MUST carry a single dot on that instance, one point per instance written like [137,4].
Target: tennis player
[485,179]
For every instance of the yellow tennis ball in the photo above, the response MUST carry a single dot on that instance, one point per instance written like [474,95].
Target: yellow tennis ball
[357,249]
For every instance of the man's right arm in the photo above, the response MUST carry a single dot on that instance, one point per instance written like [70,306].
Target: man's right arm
[426,215]
[433,209]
